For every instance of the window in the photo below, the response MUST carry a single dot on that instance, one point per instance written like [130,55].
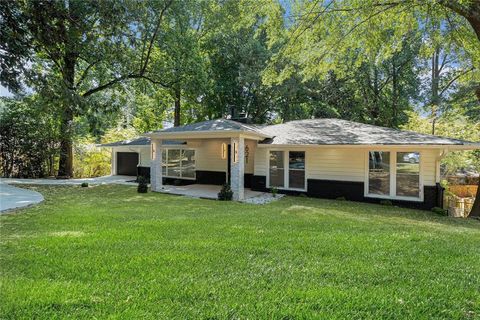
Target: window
[178,163]
[379,173]
[277,169]
[393,174]
[296,169]
[287,177]
[408,174]
[188,164]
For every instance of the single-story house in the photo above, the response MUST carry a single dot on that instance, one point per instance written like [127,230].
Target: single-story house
[327,158]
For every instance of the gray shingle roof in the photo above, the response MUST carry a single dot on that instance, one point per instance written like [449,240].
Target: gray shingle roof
[342,132]
[214,125]
[142,141]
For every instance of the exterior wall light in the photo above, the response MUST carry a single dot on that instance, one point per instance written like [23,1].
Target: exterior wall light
[224,151]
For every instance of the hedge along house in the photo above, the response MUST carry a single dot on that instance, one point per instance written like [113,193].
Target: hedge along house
[327,158]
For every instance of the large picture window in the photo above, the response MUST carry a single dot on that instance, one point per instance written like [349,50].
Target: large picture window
[287,169]
[296,169]
[277,169]
[408,174]
[178,163]
[394,174]
[379,173]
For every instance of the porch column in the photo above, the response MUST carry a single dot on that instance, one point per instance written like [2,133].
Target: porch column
[114,162]
[238,167]
[156,178]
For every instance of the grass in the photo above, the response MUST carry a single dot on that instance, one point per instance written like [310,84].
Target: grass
[109,252]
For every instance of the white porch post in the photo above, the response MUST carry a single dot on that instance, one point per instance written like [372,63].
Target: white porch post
[114,162]
[238,167]
[156,167]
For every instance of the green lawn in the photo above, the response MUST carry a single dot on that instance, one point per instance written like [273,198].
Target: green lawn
[109,252]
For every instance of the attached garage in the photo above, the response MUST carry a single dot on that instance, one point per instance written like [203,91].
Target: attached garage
[131,157]
[127,163]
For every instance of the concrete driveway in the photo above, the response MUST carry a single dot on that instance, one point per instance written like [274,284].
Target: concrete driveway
[100,180]
[12,197]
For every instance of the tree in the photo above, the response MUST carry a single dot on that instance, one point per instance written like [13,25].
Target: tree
[337,28]
[78,47]
[28,138]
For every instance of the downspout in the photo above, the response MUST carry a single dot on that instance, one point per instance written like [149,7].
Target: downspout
[440,189]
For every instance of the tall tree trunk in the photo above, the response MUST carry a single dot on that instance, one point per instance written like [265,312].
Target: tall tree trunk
[178,96]
[65,165]
[476,206]
[435,99]
[394,121]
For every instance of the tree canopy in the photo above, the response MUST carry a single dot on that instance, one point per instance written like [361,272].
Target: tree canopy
[96,66]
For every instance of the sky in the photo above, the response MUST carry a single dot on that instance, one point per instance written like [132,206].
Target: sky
[4,92]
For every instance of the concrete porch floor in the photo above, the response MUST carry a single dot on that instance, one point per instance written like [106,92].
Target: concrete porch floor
[206,191]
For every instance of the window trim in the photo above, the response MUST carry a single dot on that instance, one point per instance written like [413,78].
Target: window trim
[178,177]
[286,170]
[393,176]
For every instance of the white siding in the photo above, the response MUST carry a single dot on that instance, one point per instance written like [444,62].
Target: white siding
[335,164]
[145,156]
[261,165]
[428,164]
[208,155]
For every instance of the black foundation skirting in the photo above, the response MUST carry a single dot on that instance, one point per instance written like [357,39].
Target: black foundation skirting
[210,177]
[178,181]
[259,183]
[333,189]
[247,180]
[354,191]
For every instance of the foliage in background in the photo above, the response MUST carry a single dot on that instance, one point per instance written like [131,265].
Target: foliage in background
[93,161]
[274,61]
[453,125]
[28,138]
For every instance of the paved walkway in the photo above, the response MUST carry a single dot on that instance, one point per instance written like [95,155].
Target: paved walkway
[12,197]
[100,180]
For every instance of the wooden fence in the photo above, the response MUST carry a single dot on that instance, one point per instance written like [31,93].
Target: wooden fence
[458,206]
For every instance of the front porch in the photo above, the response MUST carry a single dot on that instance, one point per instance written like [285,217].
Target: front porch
[201,157]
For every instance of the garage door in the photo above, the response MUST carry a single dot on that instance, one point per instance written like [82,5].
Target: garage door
[127,163]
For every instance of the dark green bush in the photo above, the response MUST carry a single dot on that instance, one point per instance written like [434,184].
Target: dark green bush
[386,203]
[226,193]
[274,191]
[440,211]
[84,184]
[142,185]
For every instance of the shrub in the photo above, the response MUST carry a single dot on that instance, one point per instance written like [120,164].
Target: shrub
[341,199]
[274,191]
[142,185]
[440,211]
[226,193]
[84,184]
[386,203]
